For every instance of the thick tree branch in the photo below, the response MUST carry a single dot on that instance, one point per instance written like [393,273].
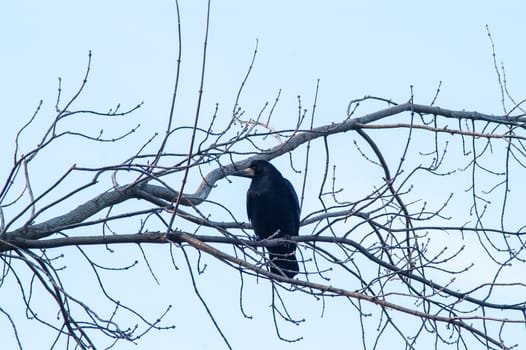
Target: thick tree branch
[124,193]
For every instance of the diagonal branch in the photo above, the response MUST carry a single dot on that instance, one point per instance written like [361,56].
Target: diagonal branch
[116,196]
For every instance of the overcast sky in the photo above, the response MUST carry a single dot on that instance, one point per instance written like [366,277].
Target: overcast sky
[355,48]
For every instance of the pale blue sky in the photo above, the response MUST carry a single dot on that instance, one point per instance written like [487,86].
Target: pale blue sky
[355,48]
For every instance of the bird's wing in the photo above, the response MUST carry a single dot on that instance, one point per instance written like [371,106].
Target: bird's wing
[293,198]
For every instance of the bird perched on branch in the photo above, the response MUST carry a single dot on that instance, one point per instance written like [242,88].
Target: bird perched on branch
[274,211]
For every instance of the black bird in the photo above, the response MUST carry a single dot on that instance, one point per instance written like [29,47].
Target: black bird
[273,208]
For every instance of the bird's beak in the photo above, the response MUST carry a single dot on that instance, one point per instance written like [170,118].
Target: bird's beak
[247,172]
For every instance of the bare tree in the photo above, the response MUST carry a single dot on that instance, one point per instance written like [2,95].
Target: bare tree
[435,210]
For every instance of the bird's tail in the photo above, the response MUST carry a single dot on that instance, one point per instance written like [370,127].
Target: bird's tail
[284,264]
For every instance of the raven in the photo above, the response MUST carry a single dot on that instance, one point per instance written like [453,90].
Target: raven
[274,211]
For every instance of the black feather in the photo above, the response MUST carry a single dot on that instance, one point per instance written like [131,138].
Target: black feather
[273,208]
